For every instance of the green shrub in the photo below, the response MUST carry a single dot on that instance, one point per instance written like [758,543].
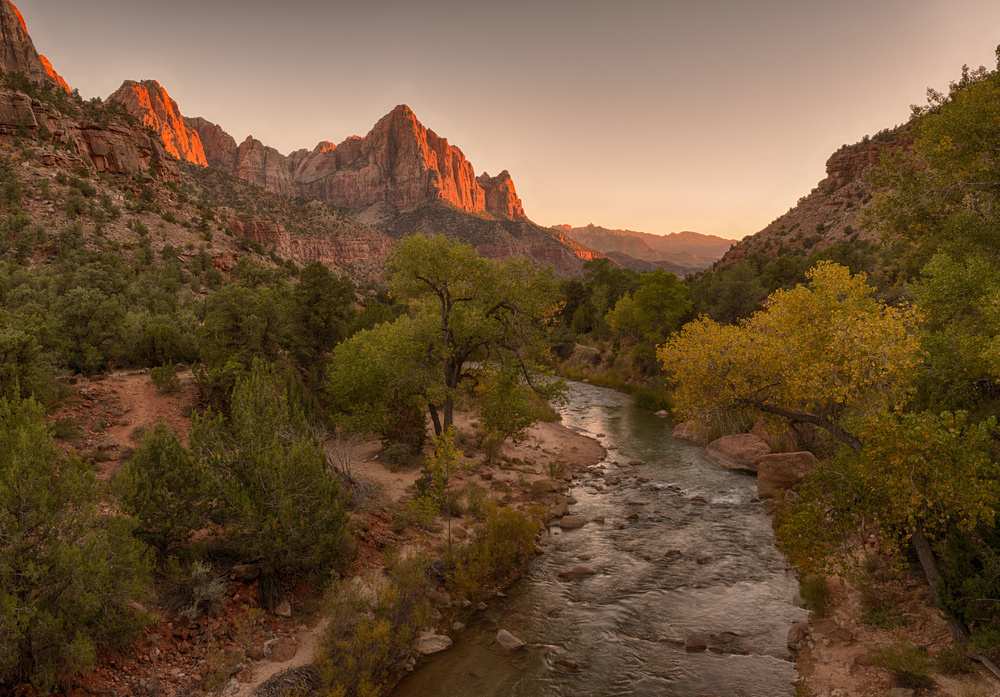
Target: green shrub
[66,429]
[71,574]
[501,551]
[165,489]
[908,663]
[368,639]
[397,456]
[953,660]
[203,592]
[165,378]
[816,594]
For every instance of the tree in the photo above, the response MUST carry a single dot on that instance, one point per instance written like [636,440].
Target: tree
[69,574]
[482,312]
[827,354]
[166,491]
[320,306]
[277,497]
[653,311]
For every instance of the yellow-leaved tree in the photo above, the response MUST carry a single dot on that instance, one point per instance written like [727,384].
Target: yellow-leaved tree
[828,354]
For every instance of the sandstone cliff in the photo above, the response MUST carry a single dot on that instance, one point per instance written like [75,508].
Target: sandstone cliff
[154,108]
[116,149]
[219,147]
[17,51]
[829,213]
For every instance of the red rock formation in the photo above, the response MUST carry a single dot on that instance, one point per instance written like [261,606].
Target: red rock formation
[117,149]
[150,103]
[337,251]
[17,51]
[219,147]
[400,162]
[501,198]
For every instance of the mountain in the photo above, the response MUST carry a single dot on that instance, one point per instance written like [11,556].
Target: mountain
[155,109]
[684,251]
[829,213]
[17,51]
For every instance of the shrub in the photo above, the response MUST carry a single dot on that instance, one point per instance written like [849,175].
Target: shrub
[165,378]
[165,490]
[816,594]
[277,497]
[70,573]
[397,456]
[368,638]
[203,592]
[501,552]
[953,660]
[907,662]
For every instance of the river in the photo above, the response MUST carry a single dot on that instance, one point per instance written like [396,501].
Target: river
[604,635]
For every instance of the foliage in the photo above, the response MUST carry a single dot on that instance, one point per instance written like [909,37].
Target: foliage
[165,378]
[816,594]
[500,552]
[203,592]
[368,638]
[278,499]
[68,573]
[508,406]
[165,490]
[909,664]
[655,309]
[828,354]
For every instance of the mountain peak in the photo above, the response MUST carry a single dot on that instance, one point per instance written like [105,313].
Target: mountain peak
[150,103]
[17,51]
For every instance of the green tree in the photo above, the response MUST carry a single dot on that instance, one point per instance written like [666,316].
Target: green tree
[277,497]
[165,490]
[320,308]
[69,574]
[483,312]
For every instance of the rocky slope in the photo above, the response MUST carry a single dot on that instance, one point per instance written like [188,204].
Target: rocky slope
[829,213]
[17,51]
[155,109]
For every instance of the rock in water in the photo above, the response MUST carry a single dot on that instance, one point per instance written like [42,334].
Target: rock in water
[579,571]
[571,522]
[430,644]
[509,641]
[738,453]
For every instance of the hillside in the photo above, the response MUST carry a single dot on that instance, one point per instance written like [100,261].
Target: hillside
[679,252]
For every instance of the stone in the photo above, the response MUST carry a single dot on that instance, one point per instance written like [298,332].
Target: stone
[797,635]
[571,665]
[571,522]
[598,519]
[509,641]
[611,481]
[672,553]
[901,692]
[429,644]
[690,431]
[576,572]
[280,650]
[283,609]
[636,463]
[632,516]
[231,688]
[247,573]
[663,413]
[458,627]
[695,644]
[780,472]
[740,453]
[481,607]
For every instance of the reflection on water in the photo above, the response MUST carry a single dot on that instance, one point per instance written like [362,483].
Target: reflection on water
[603,635]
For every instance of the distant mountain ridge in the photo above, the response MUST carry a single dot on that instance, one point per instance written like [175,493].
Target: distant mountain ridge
[689,251]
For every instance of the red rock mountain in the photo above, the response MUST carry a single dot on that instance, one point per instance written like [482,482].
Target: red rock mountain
[17,51]
[688,250]
[400,162]
[154,108]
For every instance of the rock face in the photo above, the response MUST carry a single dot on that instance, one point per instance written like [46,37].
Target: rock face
[399,162]
[17,51]
[154,108]
[117,149]
[782,471]
[737,453]
[339,251]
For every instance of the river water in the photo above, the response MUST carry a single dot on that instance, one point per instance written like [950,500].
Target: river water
[604,635]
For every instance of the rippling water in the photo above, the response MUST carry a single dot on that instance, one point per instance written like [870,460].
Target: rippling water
[602,635]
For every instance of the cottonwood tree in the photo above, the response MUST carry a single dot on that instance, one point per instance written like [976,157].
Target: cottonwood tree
[469,313]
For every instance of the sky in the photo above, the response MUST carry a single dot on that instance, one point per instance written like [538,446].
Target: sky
[714,116]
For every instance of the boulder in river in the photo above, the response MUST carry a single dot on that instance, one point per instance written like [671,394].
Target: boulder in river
[578,571]
[691,431]
[693,643]
[738,453]
[429,644]
[782,471]
[509,641]
[571,522]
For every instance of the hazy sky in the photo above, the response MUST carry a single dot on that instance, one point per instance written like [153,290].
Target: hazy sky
[705,115]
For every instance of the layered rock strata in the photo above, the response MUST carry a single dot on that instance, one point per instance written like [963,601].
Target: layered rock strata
[17,51]
[155,109]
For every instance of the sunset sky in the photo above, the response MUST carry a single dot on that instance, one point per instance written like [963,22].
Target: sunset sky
[713,116]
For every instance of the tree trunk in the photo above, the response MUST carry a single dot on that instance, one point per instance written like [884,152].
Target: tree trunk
[928,562]
[435,418]
[449,409]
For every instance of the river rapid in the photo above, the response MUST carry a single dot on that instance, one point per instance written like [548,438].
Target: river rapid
[607,634]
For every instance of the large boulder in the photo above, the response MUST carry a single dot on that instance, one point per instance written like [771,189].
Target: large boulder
[429,644]
[738,453]
[782,471]
[691,431]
